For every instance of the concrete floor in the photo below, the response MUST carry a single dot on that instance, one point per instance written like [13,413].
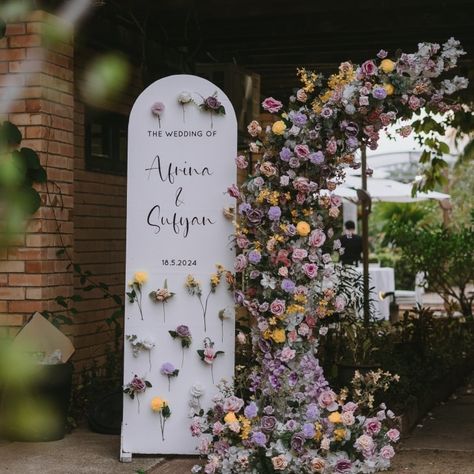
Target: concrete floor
[81,452]
[442,444]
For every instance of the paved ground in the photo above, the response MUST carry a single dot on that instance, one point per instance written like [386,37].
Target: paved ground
[442,444]
[81,452]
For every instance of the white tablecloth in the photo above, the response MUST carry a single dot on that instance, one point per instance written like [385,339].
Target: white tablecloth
[381,279]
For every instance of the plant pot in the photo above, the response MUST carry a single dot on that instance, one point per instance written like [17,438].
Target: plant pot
[346,371]
[37,410]
[105,412]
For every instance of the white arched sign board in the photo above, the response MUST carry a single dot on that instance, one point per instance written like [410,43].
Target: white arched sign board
[180,163]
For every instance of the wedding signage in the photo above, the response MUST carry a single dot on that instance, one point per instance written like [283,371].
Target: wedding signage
[182,142]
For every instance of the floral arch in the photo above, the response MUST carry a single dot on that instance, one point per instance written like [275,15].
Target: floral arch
[287,418]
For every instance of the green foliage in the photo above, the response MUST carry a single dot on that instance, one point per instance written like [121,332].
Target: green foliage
[20,170]
[446,257]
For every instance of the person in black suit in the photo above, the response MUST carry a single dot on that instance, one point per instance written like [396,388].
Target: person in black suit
[352,244]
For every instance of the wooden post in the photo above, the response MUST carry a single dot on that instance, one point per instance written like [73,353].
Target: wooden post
[365,237]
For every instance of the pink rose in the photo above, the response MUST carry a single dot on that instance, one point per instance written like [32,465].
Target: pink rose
[240,263]
[233,403]
[268,169]
[372,426]
[283,271]
[278,307]
[393,435]
[387,452]
[369,68]
[272,105]
[302,184]
[317,238]
[209,355]
[303,329]
[242,241]
[365,443]
[414,102]
[292,336]
[301,95]
[336,201]
[233,191]
[287,354]
[331,146]
[299,254]
[241,162]
[350,406]
[310,270]
[254,128]
[327,400]
[301,151]
[217,428]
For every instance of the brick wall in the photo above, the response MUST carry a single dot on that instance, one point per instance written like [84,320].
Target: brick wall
[99,228]
[31,273]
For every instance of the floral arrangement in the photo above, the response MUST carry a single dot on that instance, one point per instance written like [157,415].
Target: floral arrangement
[141,344]
[136,386]
[162,295]
[135,294]
[184,98]
[160,406]
[194,288]
[209,354]
[291,420]
[213,105]
[170,371]
[183,333]
[157,110]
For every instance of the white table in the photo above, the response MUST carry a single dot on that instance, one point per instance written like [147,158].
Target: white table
[381,279]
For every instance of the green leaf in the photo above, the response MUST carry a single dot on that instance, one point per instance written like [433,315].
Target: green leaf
[10,134]
[77,298]
[148,384]
[443,148]
[61,301]
[117,299]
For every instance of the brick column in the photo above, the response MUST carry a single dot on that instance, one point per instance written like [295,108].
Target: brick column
[31,273]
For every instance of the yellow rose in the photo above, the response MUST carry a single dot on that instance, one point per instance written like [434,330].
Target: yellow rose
[279,335]
[387,65]
[140,278]
[389,89]
[230,417]
[303,228]
[335,417]
[157,404]
[340,434]
[278,128]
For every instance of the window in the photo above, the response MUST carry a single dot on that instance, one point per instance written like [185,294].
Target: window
[106,142]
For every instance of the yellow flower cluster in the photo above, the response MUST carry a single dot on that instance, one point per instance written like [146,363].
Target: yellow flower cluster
[308,79]
[295,308]
[271,197]
[299,298]
[157,404]
[246,427]
[278,335]
[140,278]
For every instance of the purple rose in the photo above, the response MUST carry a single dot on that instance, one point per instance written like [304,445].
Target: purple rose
[251,410]
[298,118]
[343,466]
[254,256]
[259,438]
[308,430]
[272,105]
[167,369]
[316,158]
[268,423]
[326,112]
[297,441]
[379,93]
[183,331]
[292,379]
[312,412]
[254,217]
[244,207]
[212,103]
[288,285]
[285,154]
[291,425]
[274,213]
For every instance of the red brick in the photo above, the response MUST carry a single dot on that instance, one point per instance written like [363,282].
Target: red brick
[25,279]
[12,293]
[24,41]
[15,29]
[33,267]
[34,293]
[10,267]
[28,307]
[11,319]
[12,54]
[3,280]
